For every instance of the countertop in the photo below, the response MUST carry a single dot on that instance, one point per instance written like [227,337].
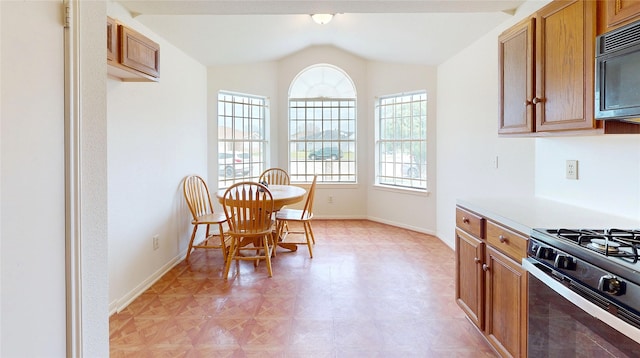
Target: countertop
[524,214]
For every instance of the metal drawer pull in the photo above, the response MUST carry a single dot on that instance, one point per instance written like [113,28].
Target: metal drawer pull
[485,267]
[465,220]
[502,239]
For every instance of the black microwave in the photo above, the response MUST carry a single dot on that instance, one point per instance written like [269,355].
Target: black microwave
[617,80]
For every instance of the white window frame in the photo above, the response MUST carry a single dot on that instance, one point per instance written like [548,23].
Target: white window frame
[401,141]
[242,134]
[322,140]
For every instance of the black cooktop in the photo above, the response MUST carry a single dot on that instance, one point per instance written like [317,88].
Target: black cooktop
[613,250]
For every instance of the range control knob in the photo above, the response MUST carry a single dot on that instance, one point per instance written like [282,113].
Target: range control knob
[533,248]
[565,262]
[546,253]
[612,285]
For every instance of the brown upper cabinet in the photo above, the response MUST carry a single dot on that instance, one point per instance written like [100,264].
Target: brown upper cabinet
[516,58]
[112,41]
[616,13]
[131,56]
[546,70]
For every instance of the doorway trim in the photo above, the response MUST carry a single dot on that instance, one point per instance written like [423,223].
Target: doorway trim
[73,249]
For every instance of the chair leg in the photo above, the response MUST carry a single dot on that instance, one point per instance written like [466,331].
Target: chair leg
[230,255]
[267,252]
[279,230]
[313,237]
[193,236]
[308,233]
[275,238]
[223,244]
[256,243]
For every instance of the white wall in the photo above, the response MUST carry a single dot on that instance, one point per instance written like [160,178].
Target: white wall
[410,209]
[467,137]
[371,79]
[32,136]
[272,80]
[92,220]
[157,134]
[608,172]
[32,240]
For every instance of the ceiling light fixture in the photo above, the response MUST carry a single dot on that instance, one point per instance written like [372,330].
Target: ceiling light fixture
[322,18]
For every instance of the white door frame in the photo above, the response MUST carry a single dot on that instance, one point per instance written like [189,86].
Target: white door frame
[72,179]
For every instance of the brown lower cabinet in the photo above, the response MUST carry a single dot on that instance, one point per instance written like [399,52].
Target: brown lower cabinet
[491,286]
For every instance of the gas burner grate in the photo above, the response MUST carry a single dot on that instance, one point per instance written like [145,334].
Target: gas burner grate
[632,236]
[611,242]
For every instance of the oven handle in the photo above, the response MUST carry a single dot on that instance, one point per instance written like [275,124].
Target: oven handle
[628,330]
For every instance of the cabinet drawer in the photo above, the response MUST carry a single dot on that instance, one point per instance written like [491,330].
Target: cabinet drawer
[469,222]
[507,241]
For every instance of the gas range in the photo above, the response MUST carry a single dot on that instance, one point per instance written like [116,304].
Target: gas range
[601,265]
[616,250]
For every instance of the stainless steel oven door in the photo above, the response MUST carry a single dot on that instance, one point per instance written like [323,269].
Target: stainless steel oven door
[561,323]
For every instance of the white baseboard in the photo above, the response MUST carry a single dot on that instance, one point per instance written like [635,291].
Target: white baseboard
[402,225]
[120,304]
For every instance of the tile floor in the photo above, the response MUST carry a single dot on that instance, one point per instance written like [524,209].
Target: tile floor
[371,290]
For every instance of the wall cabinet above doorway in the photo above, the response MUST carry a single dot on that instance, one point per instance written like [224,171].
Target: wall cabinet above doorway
[131,56]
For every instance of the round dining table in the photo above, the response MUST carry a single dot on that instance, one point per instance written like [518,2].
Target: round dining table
[282,195]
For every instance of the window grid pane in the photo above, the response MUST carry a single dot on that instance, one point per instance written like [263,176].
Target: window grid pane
[402,140]
[241,137]
[322,140]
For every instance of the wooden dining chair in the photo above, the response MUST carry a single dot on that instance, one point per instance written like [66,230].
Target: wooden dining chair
[304,216]
[248,207]
[275,176]
[196,193]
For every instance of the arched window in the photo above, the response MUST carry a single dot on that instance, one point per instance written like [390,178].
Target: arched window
[322,125]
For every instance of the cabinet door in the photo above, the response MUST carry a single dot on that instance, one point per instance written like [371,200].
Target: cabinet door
[565,36]
[516,66]
[470,277]
[620,12]
[112,49]
[506,304]
[138,52]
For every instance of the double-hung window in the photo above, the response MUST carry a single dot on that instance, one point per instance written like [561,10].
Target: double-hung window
[241,137]
[401,140]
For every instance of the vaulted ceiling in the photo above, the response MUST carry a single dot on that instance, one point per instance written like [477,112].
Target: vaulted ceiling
[222,32]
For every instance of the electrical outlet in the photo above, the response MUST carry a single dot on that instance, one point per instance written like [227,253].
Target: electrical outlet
[156,241]
[572,169]
[330,199]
